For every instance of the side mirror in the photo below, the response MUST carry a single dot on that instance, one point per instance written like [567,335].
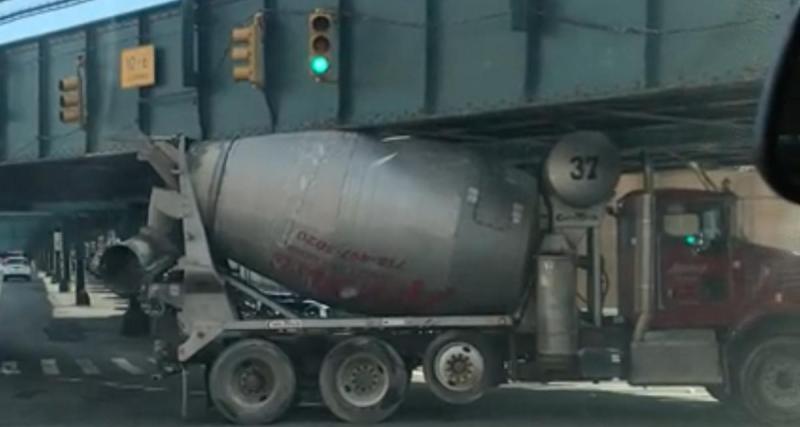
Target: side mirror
[778,122]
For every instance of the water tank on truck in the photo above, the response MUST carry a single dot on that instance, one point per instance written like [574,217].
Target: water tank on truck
[580,172]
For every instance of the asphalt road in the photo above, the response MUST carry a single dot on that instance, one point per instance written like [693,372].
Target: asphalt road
[63,366]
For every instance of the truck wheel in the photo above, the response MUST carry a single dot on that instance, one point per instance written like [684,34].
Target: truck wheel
[458,367]
[252,382]
[363,380]
[770,381]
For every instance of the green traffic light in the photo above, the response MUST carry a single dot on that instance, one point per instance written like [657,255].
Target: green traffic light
[319,65]
[690,239]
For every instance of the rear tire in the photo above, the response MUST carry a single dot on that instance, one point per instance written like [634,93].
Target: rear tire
[770,381]
[459,367]
[252,382]
[363,380]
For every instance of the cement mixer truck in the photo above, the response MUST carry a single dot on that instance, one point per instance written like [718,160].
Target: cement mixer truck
[433,256]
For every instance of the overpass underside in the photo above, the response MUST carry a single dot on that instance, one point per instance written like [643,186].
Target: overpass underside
[678,78]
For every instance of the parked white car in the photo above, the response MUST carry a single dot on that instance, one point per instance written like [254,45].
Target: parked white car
[17,267]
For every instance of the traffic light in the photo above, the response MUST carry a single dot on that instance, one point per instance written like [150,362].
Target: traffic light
[246,52]
[71,100]
[320,44]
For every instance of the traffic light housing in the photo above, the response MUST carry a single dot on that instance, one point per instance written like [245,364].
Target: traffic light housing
[320,44]
[71,100]
[247,52]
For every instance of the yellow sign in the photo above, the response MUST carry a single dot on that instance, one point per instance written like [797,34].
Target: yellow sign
[137,67]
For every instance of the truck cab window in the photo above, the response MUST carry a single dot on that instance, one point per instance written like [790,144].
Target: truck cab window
[681,224]
[683,221]
[712,219]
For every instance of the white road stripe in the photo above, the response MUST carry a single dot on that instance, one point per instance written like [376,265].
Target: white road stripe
[50,367]
[130,387]
[10,368]
[87,366]
[127,366]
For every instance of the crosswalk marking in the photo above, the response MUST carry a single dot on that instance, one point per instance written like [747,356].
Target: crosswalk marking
[127,366]
[87,366]
[50,367]
[9,368]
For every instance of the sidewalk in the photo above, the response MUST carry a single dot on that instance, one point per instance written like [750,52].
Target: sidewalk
[98,323]
[104,303]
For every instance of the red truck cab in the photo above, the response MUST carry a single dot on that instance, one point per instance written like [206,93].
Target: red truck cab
[710,276]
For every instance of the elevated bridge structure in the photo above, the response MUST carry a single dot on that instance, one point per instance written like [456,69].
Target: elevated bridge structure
[678,78]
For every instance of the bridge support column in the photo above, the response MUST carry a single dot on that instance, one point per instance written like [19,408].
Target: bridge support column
[43,263]
[66,261]
[56,251]
[51,260]
[41,258]
[81,295]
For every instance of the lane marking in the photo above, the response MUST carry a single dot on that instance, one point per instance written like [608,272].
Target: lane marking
[10,367]
[50,367]
[87,366]
[130,387]
[127,366]
[140,387]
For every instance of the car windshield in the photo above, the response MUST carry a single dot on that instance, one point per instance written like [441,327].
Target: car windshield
[419,212]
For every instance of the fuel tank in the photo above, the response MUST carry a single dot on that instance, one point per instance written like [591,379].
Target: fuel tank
[383,228]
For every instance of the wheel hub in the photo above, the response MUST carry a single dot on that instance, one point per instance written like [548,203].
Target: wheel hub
[363,380]
[253,381]
[459,366]
[781,383]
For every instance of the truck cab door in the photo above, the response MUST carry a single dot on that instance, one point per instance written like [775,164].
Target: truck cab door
[694,263]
